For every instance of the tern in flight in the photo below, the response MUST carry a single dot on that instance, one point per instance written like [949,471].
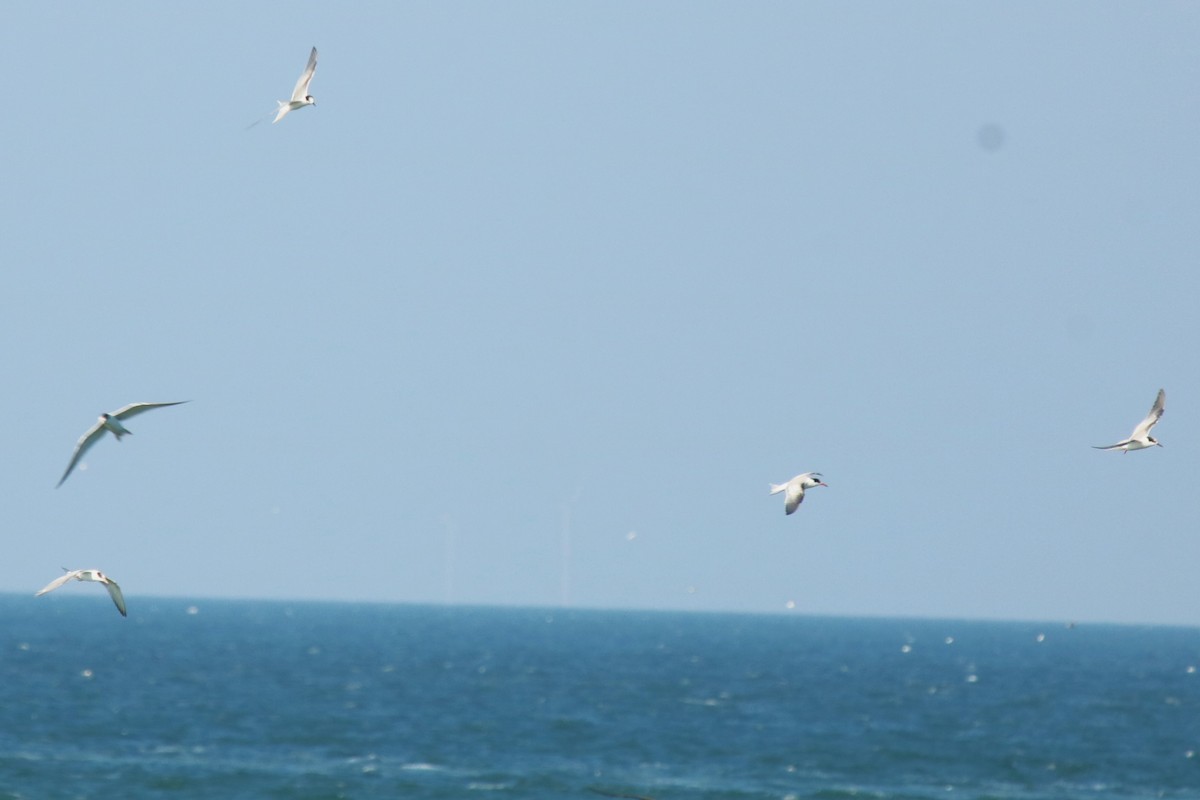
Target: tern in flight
[109,422]
[1140,439]
[300,95]
[795,489]
[96,575]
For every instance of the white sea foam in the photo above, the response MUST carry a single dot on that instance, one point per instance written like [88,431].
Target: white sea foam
[422,766]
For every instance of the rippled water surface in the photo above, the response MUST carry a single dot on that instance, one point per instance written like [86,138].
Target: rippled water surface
[221,699]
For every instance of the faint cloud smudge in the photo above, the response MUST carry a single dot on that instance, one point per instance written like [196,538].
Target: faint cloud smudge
[991,137]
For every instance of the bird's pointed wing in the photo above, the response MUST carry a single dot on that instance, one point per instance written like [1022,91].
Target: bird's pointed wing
[133,409]
[88,439]
[301,90]
[794,497]
[57,582]
[1156,412]
[114,592]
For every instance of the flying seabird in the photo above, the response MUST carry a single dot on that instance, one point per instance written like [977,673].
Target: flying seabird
[795,489]
[109,422]
[300,95]
[96,575]
[1140,439]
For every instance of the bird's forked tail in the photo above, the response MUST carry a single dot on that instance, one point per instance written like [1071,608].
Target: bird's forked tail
[776,488]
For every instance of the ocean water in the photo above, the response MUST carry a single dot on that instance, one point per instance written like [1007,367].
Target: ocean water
[227,699]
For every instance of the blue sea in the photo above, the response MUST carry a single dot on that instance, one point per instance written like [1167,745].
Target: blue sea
[251,699]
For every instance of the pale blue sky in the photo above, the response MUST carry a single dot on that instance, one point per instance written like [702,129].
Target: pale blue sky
[632,259]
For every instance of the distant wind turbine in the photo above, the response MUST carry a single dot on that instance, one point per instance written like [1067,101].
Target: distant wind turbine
[451,531]
[565,573]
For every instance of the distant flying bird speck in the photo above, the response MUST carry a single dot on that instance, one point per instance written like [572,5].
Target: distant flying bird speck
[96,575]
[109,422]
[300,95]
[795,489]
[1140,439]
